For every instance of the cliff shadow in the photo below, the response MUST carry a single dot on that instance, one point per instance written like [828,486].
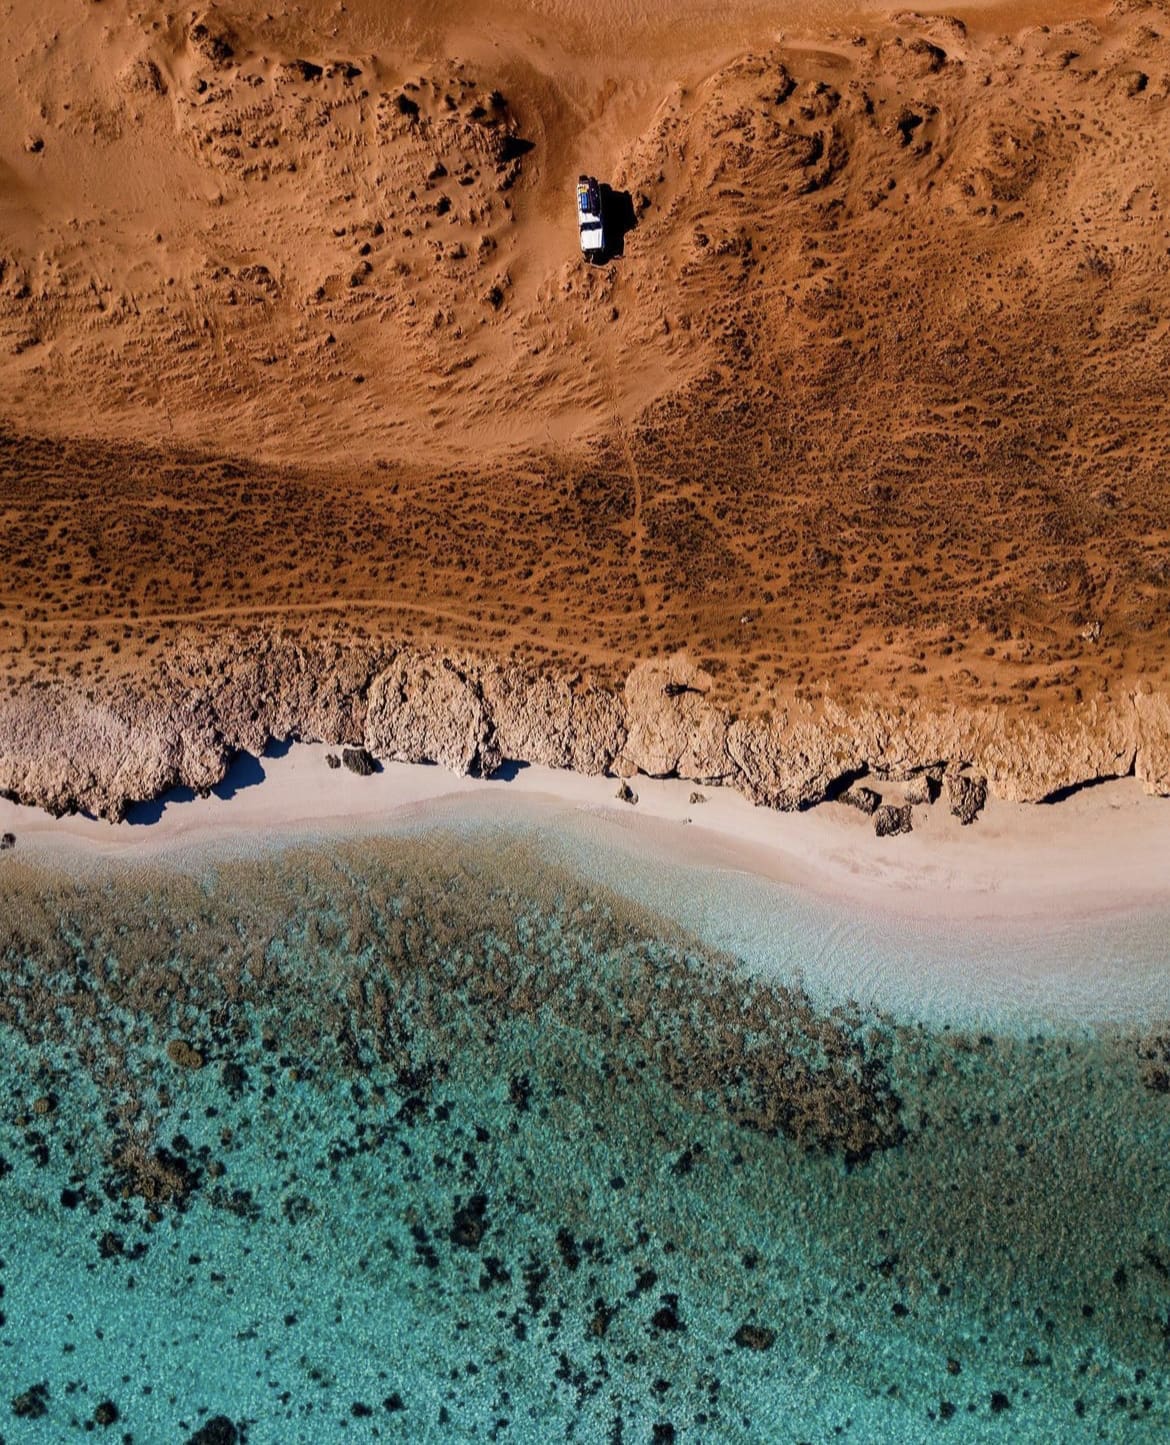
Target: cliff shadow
[508,771]
[246,771]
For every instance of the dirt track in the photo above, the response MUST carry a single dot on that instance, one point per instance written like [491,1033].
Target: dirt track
[293,330]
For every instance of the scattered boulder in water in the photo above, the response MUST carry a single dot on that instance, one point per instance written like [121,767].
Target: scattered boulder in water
[1154,1052]
[219,1430]
[106,1413]
[667,1318]
[865,800]
[359,761]
[469,1222]
[754,1337]
[31,1404]
[156,1176]
[966,796]
[891,819]
[7,841]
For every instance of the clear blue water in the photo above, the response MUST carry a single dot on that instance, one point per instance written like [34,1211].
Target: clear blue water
[430,1139]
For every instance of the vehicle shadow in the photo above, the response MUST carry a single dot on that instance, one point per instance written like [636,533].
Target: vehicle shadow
[619,219]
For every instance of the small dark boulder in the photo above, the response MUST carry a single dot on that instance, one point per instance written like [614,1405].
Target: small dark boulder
[892,819]
[359,761]
[754,1337]
[7,841]
[332,761]
[106,1413]
[625,794]
[999,1402]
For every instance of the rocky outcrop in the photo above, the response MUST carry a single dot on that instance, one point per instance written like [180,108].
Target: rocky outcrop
[68,744]
[424,709]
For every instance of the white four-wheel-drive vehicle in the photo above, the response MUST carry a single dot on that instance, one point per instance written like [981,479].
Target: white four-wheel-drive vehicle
[589,218]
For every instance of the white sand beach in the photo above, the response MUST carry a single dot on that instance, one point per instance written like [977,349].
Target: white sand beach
[1103,850]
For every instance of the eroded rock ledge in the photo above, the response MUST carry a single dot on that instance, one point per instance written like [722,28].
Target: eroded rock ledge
[67,747]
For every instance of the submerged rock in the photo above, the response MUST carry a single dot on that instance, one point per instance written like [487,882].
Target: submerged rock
[157,1176]
[184,1055]
[469,1222]
[754,1337]
[219,1430]
[31,1404]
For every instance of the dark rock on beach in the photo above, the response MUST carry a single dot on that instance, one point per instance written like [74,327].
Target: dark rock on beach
[865,800]
[966,796]
[892,819]
[7,841]
[359,761]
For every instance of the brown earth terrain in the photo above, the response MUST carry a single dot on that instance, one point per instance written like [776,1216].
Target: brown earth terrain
[305,387]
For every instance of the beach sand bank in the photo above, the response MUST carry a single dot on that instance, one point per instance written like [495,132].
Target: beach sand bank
[1104,850]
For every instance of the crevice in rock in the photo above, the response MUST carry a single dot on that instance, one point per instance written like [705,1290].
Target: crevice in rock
[837,786]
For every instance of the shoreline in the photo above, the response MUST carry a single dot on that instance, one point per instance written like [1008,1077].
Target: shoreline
[1097,853]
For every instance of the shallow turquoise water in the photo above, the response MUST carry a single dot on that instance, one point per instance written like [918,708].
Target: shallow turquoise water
[428,1140]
